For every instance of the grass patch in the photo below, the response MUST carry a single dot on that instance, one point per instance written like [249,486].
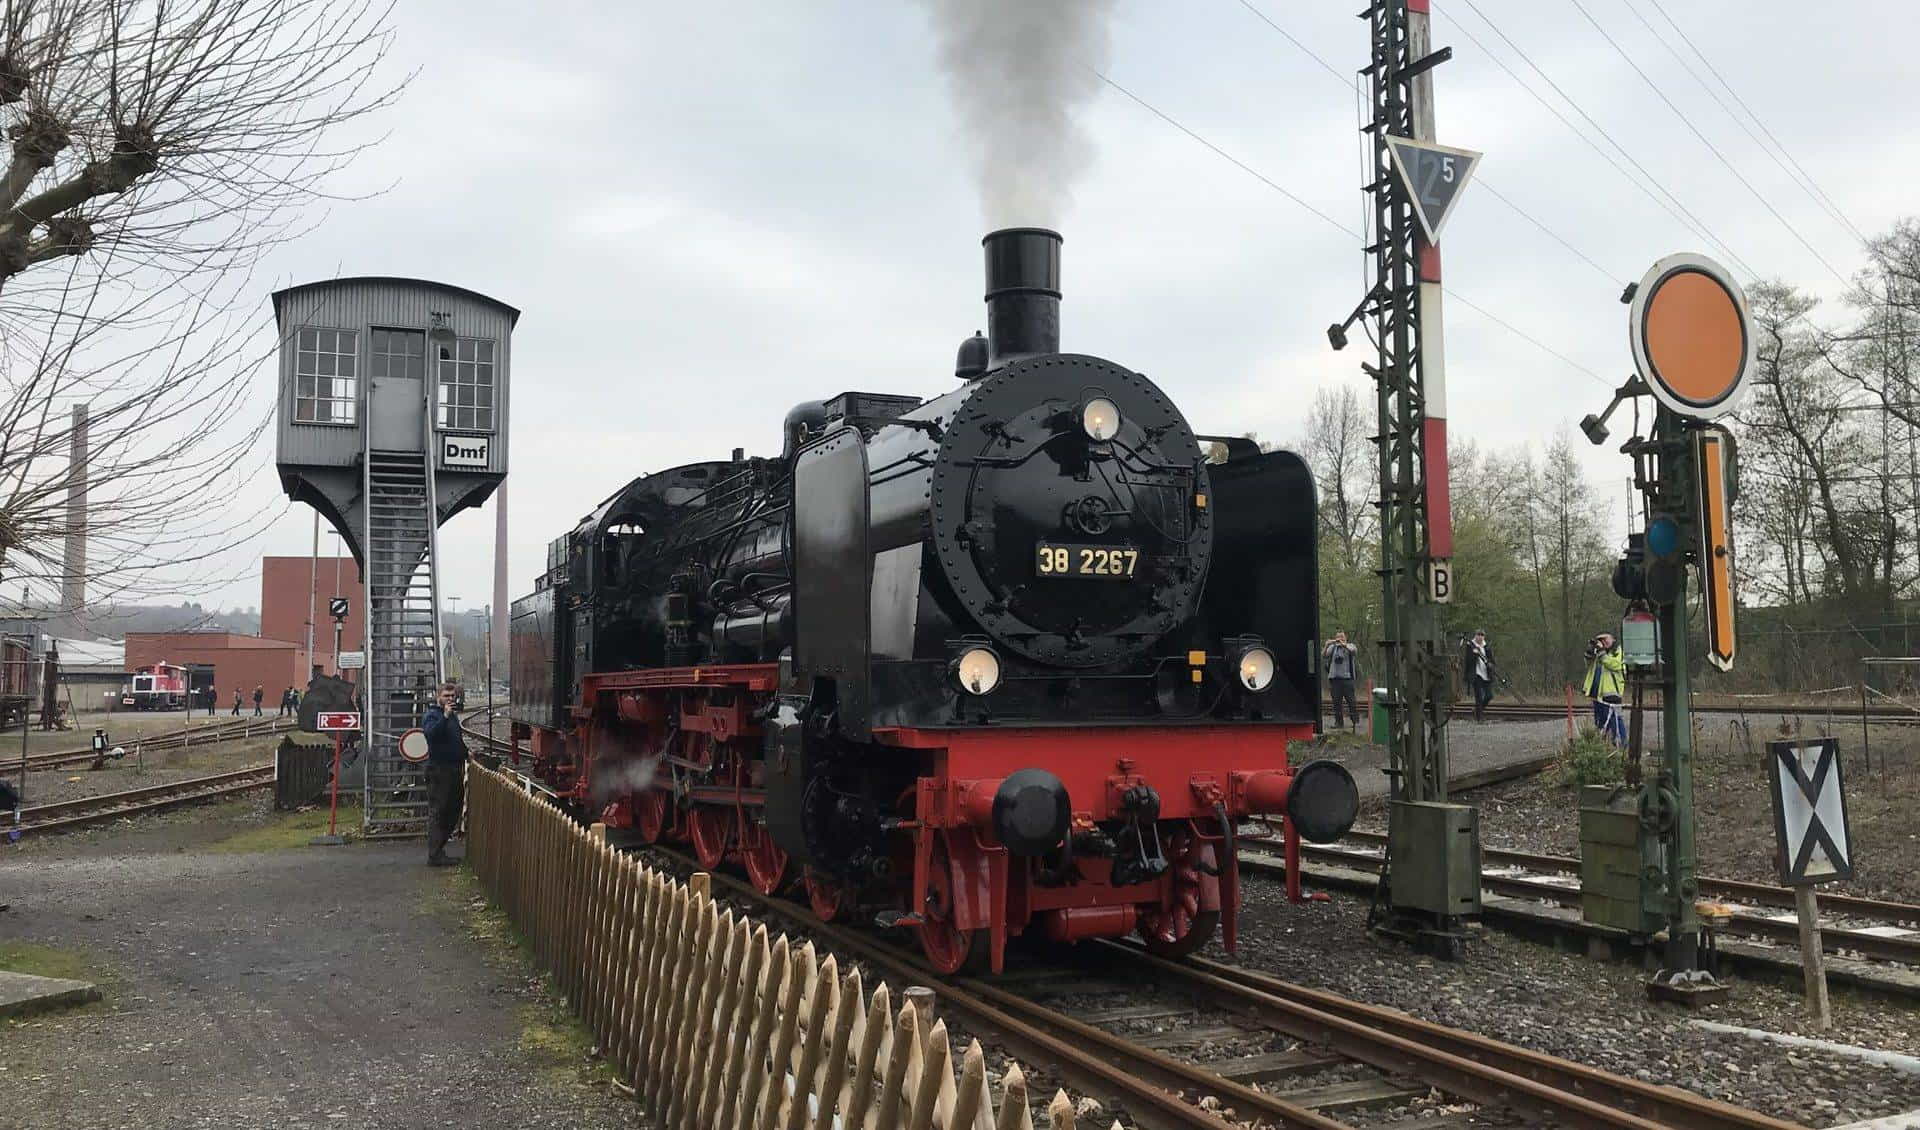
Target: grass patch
[48,961]
[555,1042]
[284,831]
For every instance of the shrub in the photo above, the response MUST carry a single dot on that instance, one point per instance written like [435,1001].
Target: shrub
[1588,758]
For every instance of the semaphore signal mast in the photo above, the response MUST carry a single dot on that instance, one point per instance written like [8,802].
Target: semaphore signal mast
[1430,881]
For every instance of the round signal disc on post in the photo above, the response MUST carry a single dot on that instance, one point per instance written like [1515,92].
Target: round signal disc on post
[1690,335]
[413,745]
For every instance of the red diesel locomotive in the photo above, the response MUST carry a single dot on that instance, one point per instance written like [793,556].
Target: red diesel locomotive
[1017,658]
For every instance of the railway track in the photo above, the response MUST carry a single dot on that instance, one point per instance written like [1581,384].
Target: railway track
[152,798]
[1875,928]
[1848,710]
[1340,1055]
[182,739]
[1334,1055]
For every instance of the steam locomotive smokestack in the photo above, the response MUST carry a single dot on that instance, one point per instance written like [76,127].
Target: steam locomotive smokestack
[1023,293]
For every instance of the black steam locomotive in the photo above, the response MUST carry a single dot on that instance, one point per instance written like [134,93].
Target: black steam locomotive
[1018,657]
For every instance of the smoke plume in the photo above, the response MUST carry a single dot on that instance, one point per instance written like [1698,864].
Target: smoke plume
[1020,72]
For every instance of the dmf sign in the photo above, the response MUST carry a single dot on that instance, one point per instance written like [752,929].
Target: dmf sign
[464,451]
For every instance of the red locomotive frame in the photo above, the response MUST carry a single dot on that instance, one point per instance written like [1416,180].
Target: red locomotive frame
[697,776]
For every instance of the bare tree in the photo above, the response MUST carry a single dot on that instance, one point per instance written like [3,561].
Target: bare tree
[153,151]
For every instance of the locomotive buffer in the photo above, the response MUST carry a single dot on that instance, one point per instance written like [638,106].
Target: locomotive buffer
[1431,877]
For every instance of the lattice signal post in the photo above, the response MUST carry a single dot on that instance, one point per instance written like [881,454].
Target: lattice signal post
[1432,878]
[1694,351]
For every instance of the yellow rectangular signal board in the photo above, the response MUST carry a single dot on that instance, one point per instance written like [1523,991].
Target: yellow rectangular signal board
[1713,466]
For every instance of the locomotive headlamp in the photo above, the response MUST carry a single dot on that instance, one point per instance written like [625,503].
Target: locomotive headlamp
[1100,419]
[1254,666]
[977,670]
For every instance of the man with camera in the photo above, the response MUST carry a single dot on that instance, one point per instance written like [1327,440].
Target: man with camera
[1341,662]
[1606,683]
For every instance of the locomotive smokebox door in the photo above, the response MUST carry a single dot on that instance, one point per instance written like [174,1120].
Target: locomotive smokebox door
[832,572]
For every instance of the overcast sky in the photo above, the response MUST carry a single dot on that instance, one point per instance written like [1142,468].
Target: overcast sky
[707,212]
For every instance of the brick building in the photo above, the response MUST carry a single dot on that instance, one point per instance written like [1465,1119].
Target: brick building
[231,659]
[285,584]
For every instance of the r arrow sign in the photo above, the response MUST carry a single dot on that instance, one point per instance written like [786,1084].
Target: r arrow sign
[1433,176]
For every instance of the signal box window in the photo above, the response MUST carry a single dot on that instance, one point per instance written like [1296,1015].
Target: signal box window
[325,387]
[466,385]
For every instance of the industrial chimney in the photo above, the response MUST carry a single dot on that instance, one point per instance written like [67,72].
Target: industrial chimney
[73,581]
[1023,293]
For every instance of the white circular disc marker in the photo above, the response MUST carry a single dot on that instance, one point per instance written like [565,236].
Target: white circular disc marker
[413,745]
[1691,335]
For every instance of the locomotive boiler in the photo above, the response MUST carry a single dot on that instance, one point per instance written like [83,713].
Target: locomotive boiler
[1015,659]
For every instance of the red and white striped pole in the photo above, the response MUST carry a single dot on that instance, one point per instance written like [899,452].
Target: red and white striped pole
[1433,354]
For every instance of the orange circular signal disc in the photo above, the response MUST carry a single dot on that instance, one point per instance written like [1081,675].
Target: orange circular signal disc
[1695,337]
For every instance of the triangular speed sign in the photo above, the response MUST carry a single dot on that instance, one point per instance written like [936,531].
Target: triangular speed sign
[1433,176]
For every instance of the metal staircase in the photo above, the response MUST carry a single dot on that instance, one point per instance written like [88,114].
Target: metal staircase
[403,633]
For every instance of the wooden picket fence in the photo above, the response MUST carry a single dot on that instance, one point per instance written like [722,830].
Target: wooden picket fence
[713,1023]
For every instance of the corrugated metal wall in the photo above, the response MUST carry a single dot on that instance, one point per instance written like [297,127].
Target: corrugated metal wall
[361,305]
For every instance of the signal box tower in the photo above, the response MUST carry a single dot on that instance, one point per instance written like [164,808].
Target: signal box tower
[393,418]
[1694,351]
[1431,881]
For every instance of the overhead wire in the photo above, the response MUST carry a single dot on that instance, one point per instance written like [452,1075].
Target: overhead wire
[1346,81]
[1336,224]
[1790,165]
[1651,185]
[1706,141]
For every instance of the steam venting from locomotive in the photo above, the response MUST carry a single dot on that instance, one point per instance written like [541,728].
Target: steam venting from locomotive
[1020,72]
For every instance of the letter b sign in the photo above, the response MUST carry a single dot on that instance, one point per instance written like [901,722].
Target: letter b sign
[1440,582]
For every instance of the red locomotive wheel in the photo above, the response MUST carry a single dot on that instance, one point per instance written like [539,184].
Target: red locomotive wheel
[949,948]
[829,900]
[766,861]
[708,825]
[651,815]
[1182,928]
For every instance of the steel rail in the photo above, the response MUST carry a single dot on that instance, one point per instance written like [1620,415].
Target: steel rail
[1479,1068]
[1544,711]
[1464,1064]
[215,734]
[1902,950]
[1766,894]
[106,806]
[1118,1069]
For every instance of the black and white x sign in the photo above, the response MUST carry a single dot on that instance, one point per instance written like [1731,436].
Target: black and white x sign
[1809,811]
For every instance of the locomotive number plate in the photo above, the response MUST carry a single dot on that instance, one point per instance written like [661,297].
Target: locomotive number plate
[1104,562]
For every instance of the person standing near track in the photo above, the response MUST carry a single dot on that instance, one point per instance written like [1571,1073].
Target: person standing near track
[1476,667]
[1606,683]
[1342,664]
[446,769]
[236,702]
[259,696]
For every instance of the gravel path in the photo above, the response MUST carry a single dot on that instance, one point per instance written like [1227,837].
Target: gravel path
[297,987]
[1470,747]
